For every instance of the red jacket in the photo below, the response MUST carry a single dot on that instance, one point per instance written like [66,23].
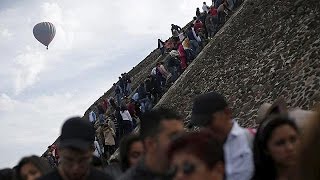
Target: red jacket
[131,109]
[105,104]
[213,11]
[182,56]
[198,26]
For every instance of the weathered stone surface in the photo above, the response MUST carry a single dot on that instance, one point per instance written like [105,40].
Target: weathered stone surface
[266,50]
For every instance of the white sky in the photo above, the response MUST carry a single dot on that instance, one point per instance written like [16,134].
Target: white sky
[95,41]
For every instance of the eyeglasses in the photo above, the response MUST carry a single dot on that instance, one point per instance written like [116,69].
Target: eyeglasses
[187,169]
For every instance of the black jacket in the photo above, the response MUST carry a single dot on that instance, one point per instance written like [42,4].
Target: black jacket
[140,171]
[94,175]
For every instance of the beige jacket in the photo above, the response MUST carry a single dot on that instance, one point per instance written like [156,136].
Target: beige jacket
[109,136]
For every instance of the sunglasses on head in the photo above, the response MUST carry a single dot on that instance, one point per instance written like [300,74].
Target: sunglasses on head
[187,169]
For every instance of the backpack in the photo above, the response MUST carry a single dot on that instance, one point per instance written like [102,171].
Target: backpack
[177,62]
[190,55]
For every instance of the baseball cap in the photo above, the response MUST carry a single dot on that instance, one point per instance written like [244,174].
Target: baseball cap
[204,106]
[77,133]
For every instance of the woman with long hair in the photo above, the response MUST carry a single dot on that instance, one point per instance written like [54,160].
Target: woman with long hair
[275,148]
[31,168]
[131,149]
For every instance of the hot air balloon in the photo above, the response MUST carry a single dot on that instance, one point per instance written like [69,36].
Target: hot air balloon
[44,32]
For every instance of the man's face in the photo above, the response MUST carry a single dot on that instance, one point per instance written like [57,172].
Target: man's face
[218,123]
[168,130]
[136,150]
[75,164]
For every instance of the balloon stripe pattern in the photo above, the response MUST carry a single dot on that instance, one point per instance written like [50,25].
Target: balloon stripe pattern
[44,32]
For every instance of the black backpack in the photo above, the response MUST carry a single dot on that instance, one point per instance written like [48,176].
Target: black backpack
[177,62]
[190,55]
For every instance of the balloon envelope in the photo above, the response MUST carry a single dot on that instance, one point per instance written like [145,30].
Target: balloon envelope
[44,32]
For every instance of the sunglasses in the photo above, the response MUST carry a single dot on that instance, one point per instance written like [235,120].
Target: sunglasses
[187,169]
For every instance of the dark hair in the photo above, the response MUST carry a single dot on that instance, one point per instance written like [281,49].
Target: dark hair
[123,108]
[42,165]
[100,109]
[7,174]
[264,164]
[201,144]
[112,103]
[96,161]
[150,121]
[125,146]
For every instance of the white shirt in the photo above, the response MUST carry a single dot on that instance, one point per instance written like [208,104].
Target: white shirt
[126,115]
[135,96]
[238,154]
[205,8]
[154,71]
[195,35]
[181,37]
[92,116]
[98,151]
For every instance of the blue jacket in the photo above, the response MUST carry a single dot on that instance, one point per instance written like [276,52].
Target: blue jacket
[190,35]
[141,171]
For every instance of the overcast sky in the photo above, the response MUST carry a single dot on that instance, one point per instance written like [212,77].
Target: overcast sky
[95,41]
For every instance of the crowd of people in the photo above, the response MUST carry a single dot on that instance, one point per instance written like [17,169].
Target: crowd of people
[186,43]
[280,148]
[117,116]
[284,146]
